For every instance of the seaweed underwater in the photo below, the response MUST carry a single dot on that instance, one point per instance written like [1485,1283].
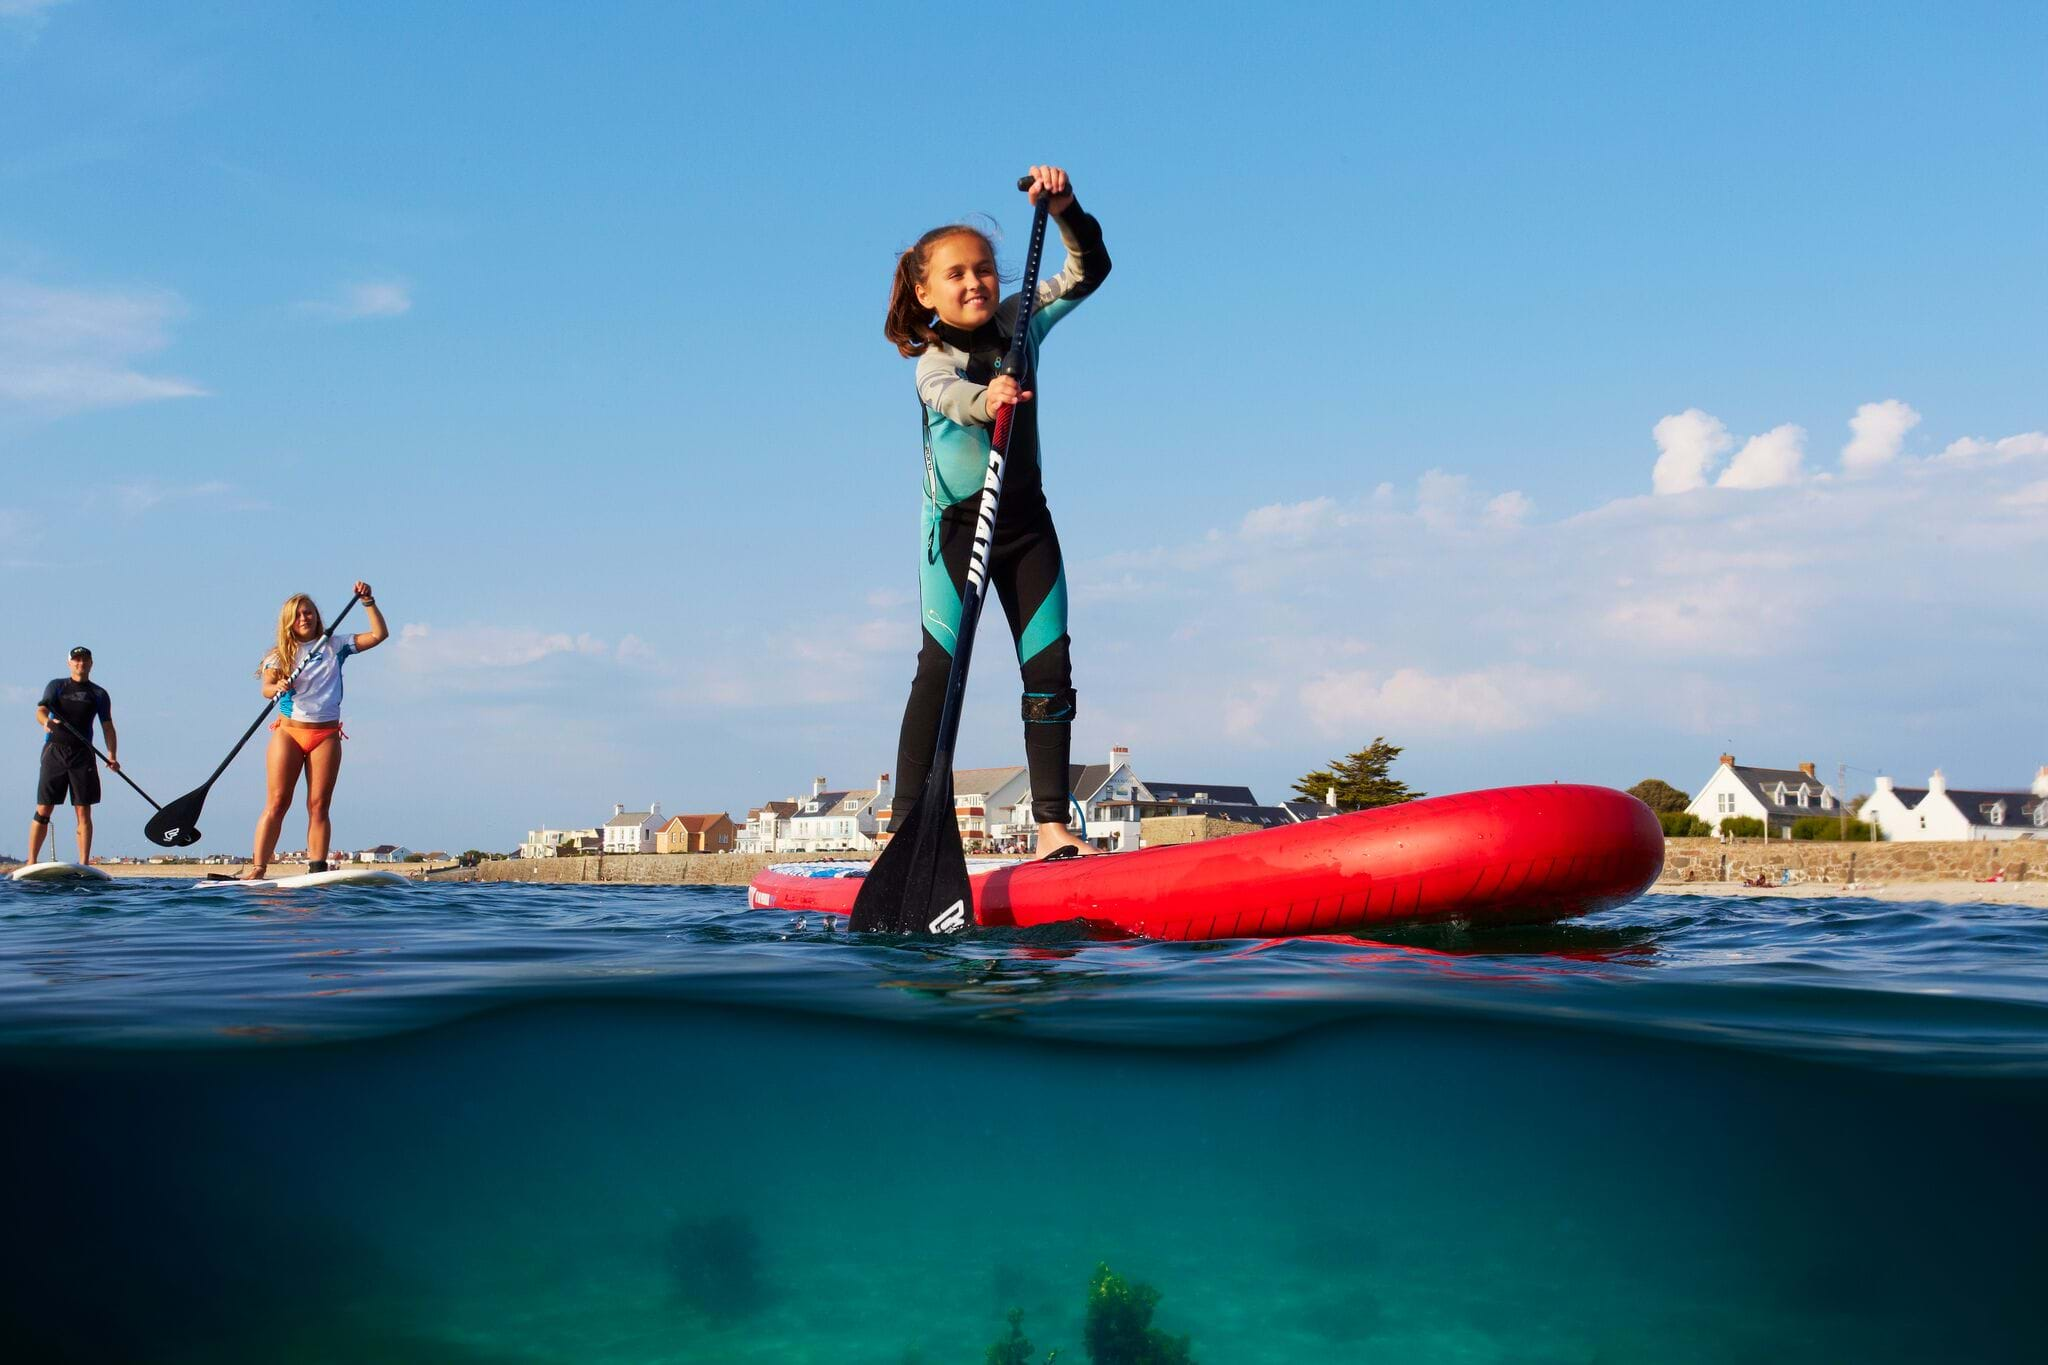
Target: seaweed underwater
[1117,1329]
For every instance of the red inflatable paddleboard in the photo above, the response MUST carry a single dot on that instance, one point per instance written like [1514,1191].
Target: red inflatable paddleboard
[1514,855]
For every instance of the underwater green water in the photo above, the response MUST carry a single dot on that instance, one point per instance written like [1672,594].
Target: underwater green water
[1437,1164]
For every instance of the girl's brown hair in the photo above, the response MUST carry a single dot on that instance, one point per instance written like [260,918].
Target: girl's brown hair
[287,642]
[909,323]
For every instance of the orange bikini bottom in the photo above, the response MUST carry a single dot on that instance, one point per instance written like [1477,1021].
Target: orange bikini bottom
[308,734]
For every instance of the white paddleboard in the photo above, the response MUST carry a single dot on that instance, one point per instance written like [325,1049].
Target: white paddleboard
[57,872]
[340,876]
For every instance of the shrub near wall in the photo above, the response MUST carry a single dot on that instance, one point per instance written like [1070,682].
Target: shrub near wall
[1679,824]
[1833,827]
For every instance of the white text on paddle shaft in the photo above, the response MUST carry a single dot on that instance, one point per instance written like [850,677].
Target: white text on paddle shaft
[952,917]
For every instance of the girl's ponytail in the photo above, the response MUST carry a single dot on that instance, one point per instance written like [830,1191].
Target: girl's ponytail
[909,323]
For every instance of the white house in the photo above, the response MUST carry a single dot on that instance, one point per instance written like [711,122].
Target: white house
[547,843]
[1939,811]
[1776,796]
[767,824]
[632,831]
[834,821]
[384,853]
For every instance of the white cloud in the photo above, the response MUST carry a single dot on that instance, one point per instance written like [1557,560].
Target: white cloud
[1409,700]
[475,650]
[1878,433]
[1509,509]
[1688,443]
[2033,495]
[1767,461]
[1440,498]
[1289,520]
[72,350]
[358,302]
[2009,448]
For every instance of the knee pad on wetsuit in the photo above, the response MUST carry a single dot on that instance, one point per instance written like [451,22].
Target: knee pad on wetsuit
[1049,708]
[40,819]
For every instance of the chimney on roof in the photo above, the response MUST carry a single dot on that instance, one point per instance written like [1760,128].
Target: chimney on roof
[1330,799]
[1884,784]
[1807,768]
[655,810]
[1727,760]
[618,808]
[817,786]
[1119,756]
[2041,781]
[1937,783]
[882,788]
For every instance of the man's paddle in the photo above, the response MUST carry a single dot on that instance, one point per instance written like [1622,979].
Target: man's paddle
[181,841]
[177,824]
[919,883]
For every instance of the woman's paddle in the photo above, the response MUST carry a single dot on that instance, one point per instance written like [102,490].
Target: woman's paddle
[919,883]
[118,773]
[176,825]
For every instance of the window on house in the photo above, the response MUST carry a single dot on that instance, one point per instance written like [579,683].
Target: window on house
[2041,814]
[1778,795]
[1802,796]
[1996,812]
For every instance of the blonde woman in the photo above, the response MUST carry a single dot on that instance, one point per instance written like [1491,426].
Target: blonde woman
[303,673]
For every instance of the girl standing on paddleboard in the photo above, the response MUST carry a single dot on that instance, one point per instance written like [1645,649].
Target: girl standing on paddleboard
[306,736]
[946,312]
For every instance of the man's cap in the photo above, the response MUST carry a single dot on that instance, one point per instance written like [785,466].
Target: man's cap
[80,652]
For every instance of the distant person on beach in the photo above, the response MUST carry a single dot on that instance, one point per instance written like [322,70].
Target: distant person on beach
[70,770]
[303,672]
[946,312]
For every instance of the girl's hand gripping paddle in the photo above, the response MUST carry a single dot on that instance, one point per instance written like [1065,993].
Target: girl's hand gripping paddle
[919,883]
[177,825]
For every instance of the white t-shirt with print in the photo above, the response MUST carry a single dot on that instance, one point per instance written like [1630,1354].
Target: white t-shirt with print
[315,693]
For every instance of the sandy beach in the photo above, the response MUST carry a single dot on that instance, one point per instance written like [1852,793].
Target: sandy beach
[1947,892]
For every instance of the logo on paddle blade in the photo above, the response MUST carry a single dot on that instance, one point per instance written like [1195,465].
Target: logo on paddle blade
[951,918]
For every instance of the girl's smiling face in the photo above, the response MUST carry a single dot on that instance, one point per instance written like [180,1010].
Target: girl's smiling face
[960,282]
[306,624]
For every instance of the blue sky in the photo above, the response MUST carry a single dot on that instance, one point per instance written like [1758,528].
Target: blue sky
[1480,376]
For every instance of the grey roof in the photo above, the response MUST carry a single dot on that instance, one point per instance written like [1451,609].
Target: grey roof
[1201,793]
[983,781]
[1300,811]
[1976,806]
[1762,783]
[628,820]
[1085,781]
[826,801]
[1910,797]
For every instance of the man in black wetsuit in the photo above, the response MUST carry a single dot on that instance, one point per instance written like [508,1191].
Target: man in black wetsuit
[70,771]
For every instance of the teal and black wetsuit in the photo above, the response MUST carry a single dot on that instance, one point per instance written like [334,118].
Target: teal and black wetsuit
[1024,566]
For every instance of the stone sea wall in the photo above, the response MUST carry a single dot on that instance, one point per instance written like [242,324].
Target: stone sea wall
[1710,860]
[640,869]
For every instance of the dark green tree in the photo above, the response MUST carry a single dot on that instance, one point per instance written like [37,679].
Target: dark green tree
[1360,779]
[1660,796]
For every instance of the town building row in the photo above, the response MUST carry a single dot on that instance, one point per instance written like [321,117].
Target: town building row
[1780,796]
[1107,803]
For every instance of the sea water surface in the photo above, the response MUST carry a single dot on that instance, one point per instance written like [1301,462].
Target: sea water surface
[502,1123]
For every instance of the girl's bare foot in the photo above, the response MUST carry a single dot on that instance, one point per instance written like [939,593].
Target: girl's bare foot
[1053,836]
[253,873]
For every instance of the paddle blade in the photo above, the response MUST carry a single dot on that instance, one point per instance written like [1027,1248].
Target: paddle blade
[177,825]
[919,885]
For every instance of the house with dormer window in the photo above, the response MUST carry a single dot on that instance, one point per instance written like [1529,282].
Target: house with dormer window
[1776,796]
[1939,811]
[834,821]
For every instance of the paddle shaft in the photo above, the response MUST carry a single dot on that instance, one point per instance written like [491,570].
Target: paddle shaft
[1016,364]
[103,758]
[272,703]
